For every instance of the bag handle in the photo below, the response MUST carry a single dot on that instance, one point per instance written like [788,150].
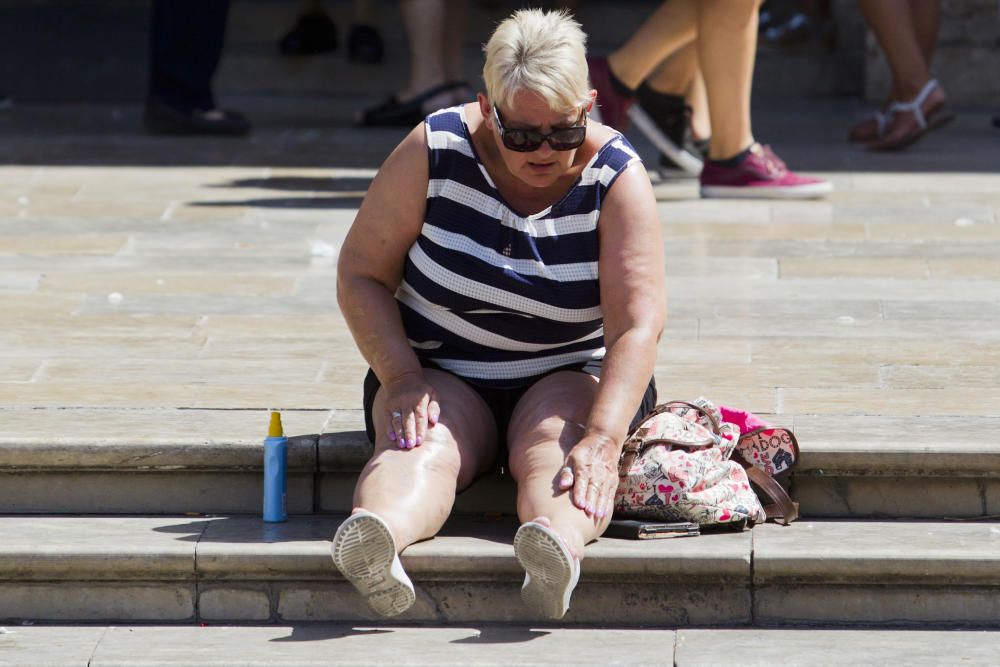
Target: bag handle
[631,448]
[782,509]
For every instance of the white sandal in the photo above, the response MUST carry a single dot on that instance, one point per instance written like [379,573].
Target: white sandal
[365,553]
[934,119]
[551,571]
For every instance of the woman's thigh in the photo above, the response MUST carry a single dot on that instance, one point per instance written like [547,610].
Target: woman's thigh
[548,421]
[464,437]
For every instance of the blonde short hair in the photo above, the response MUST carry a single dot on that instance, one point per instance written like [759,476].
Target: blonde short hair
[544,52]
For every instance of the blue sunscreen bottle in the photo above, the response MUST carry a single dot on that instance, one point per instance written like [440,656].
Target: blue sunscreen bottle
[275,471]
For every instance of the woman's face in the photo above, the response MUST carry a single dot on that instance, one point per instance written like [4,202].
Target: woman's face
[543,166]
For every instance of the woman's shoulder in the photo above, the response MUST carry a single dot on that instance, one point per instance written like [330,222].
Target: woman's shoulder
[612,148]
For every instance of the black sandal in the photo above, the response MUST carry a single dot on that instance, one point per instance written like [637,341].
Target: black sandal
[392,112]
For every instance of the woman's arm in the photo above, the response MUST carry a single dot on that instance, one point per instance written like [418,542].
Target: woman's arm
[633,301]
[370,269]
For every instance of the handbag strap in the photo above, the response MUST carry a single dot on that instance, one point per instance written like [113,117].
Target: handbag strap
[782,509]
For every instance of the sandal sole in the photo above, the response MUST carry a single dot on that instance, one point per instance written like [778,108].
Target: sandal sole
[364,552]
[550,574]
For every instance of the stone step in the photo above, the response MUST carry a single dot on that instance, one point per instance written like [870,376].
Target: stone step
[458,646]
[170,461]
[237,569]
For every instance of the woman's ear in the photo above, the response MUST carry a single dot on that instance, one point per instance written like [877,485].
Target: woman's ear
[593,96]
[484,109]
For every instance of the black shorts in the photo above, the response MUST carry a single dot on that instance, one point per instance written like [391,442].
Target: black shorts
[502,401]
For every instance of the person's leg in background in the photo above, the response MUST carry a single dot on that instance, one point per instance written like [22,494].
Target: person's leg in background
[618,76]
[667,98]
[436,32]
[906,31]
[727,46]
[186,40]
[737,166]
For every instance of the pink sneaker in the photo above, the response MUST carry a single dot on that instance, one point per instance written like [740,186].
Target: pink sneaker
[762,175]
[612,108]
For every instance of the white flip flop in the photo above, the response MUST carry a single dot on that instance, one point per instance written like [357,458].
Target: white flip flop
[365,553]
[551,572]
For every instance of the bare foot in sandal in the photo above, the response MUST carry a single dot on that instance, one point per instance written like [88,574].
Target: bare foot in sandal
[909,121]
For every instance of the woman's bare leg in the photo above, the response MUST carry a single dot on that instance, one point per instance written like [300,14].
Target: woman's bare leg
[668,29]
[546,424]
[727,45]
[893,24]
[413,490]
[676,73]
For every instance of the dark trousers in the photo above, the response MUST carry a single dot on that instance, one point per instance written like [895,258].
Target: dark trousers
[186,38]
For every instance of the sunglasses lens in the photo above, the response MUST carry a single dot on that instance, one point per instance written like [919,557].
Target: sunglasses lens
[567,139]
[522,141]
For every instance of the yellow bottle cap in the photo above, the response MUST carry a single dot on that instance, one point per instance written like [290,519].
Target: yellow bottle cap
[274,430]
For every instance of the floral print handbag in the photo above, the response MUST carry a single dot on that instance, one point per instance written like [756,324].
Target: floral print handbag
[677,465]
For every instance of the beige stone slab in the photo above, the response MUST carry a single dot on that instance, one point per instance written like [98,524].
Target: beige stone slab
[861,267]
[811,212]
[249,348]
[19,309]
[965,269]
[207,282]
[51,344]
[928,494]
[941,377]
[906,606]
[713,351]
[933,232]
[964,314]
[790,309]
[233,604]
[453,646]
[826,289]
[180,491]
[257,326]
[119,548]
[947,184]
[18,282]
[47,207]
[203,304]
[958,401]
[17,370]
[714,211]
[870,351]
[772,375]
[849,327]
[203,437]
[180,371]
[789,647]
[56,318]
[44,646]
[850,552]
[280,396]
[885,444]
[78,602]
[51,245]
[753,232]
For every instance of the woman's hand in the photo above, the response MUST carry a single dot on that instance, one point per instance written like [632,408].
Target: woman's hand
[591,471]
[412,408]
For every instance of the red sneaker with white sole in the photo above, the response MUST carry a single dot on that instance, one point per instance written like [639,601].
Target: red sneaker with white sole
[761,175]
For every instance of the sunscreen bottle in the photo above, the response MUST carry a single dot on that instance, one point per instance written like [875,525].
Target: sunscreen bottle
[275,474]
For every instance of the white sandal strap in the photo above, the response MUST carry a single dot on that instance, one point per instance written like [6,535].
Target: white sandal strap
[914,105]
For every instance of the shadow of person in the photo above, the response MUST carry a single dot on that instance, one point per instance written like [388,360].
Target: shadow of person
[322,632]
[502,635]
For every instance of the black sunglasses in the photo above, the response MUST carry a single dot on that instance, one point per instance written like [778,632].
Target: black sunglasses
[526,141]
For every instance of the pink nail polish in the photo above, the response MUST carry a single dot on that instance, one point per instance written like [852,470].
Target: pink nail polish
[417,441]
[392,436]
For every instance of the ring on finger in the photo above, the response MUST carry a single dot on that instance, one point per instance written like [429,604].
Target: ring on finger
[397,414]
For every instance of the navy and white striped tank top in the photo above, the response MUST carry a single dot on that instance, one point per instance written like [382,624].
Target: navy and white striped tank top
[491,295]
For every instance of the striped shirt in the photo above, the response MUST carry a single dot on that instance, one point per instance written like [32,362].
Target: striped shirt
[493,296]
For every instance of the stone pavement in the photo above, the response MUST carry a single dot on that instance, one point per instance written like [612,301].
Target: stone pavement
[108,646]
[159,295]
[158,290]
